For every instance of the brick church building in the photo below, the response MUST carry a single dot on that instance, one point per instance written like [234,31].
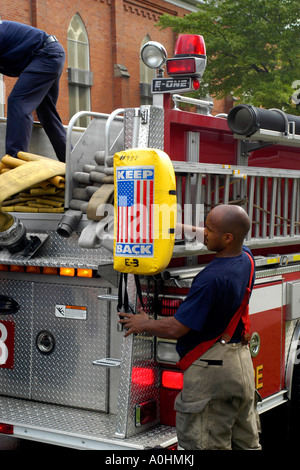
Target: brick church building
[102,40]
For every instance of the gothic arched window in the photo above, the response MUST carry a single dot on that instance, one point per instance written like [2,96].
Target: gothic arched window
[79,76]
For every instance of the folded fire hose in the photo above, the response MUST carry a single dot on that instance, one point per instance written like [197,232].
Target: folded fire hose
[21,175]
[99,232]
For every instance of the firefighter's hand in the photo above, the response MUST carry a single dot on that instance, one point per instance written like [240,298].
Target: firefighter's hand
[134,323]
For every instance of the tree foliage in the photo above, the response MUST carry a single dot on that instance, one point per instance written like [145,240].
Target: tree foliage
[253,49]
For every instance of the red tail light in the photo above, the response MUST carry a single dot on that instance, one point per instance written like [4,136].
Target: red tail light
[6,428]
[173,447]
[143,376]
[190,44]
[169,306]
[145,412]
[172,383]
[172,379]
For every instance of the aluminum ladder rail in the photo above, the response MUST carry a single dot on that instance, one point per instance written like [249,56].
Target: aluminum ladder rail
[270,196]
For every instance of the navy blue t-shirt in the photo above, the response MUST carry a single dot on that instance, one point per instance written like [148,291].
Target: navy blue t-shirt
[18,42]
[214,297]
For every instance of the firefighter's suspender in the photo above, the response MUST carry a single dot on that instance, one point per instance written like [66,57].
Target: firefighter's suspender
[241,313]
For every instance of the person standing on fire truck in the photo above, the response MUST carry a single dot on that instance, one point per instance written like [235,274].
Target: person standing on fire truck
[37,59]
[216,408]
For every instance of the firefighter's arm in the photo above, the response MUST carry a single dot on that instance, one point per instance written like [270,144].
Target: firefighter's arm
[164,328]
[191,231]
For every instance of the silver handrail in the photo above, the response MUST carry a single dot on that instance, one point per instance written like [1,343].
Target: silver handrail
[185,99]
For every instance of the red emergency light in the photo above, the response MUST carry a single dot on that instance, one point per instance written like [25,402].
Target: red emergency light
[181,66]
[190,44]
[189,58]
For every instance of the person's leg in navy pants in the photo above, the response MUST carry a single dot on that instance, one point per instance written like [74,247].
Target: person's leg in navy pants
[37,89]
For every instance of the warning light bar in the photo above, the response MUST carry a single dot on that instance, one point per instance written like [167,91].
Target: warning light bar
[14,268]
[33,269]
[84,272]
[62,271]
[50,270]
[67,272]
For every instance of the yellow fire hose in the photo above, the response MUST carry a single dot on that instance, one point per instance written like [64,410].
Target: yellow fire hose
[26,171]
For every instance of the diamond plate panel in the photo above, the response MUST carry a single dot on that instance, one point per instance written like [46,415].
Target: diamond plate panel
[139,374]
[85,424]
[156,128]
[289,333]
[16,382]
[144,127]
[67,375]
[57,251]
[129,125]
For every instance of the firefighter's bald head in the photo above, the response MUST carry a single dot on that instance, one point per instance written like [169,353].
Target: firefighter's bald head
[231,219]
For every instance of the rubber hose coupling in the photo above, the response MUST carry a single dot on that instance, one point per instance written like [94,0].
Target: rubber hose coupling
[14,237]
[69,223]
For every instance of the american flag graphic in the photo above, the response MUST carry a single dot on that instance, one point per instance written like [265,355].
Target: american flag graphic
[135,198]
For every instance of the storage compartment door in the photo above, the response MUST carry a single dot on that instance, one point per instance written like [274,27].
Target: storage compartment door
[70,331]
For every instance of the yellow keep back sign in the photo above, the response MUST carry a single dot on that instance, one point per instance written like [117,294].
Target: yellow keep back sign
[145,211]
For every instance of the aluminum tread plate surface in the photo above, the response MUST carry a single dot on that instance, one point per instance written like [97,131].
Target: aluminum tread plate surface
[56,251]
[78,423]
[67,375]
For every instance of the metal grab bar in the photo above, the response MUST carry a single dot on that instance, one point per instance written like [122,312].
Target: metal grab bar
[109,118]
[109,121]
[185,99]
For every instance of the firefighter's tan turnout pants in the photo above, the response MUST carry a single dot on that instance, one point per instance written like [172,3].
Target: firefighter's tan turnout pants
[216,408]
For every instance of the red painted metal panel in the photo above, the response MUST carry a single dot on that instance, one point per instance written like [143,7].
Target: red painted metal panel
[217,143]
[268,363]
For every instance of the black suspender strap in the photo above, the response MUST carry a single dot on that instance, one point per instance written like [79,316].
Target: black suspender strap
[123,301]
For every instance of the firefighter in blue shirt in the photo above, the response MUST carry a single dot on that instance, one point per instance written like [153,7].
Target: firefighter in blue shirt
[216,408]
[37,59]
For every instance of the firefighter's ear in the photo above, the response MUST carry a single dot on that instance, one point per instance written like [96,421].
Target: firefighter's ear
[228,237]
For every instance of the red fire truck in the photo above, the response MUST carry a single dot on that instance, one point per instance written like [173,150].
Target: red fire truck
[67,374]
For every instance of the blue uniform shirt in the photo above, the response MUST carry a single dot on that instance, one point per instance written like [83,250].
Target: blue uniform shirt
[214,297]
[18,42]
